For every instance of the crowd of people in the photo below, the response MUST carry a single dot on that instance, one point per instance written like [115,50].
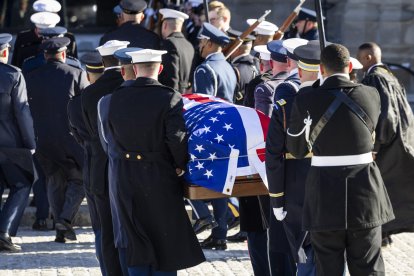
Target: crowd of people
[110,127]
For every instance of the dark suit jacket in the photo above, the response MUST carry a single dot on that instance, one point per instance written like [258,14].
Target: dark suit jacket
[177,62]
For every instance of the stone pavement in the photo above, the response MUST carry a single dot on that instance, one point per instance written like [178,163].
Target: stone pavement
[43,257]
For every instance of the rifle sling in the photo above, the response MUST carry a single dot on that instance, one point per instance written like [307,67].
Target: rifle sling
[340,98]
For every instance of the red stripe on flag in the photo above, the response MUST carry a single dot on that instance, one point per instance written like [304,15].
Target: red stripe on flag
[264,121]
[261,153]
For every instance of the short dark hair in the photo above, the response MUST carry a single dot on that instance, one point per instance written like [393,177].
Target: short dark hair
[335,58]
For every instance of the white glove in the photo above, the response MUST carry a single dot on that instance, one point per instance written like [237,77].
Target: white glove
[32,151]
[279,213]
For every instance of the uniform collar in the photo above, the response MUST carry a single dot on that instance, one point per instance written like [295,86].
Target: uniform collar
[240,57]
[142,81]
[373,66]
[337,81]
[176,34]
[215,56]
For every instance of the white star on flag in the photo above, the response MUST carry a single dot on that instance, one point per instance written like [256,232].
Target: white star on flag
[221,112]
[200,165]
[227,126]
[214,119]
[212,156]
[193,157]
[199,148]
[206,129]
[208,173]
[232,146]
[219,138]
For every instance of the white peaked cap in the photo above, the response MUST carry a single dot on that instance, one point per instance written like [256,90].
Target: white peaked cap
[355,63]
[292,43]
[47,6]
[170,13]
[146,55]
[195,3]
[263,51]
[264,28]
[111,46]
[45,19]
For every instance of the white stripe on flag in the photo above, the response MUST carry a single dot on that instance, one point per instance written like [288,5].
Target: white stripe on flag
[254,135]
[231,172]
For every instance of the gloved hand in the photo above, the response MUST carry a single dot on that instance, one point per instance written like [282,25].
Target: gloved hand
[279,213]
[32,151]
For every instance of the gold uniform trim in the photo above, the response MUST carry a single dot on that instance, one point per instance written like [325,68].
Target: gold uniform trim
[288,155]
[308,67]
[277,195]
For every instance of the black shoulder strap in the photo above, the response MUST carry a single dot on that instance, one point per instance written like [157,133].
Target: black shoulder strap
[340,97]
[362,115]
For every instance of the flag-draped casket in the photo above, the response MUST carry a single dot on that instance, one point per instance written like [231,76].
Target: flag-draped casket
[226,145]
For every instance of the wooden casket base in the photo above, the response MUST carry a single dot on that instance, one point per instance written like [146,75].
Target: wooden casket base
[250,185]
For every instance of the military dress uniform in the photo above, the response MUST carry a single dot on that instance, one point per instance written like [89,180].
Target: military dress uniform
[215,76]
[60,156]
[16,141]
[97,159]
[177,62]
[135,33]
[345,199]
[136,122]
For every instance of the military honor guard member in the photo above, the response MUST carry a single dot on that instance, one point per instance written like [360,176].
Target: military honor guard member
[17,144]
[178,60]
[290,85]
[94,69]
[287,175]
[394,139]
[345,198]
[33,62]
[264,92]
[50,87]
[97,159]
[28,41]
[214,76]
[243,64]
[265,67]
[127,68]
[131,29]
[143,131]
[306,25]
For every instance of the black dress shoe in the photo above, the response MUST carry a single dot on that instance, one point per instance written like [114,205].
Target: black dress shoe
[60,236]
[238,237]
[203,224]
[40,225]
[211,243]
[67,229]
[6,243]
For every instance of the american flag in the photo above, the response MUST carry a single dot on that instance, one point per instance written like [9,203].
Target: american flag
[225,141]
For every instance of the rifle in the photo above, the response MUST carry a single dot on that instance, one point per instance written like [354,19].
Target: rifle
[279,34]
[233,46]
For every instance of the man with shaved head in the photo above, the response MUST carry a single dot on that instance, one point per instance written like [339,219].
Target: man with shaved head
[394,141]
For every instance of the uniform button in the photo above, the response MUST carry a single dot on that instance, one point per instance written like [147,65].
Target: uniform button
[139,157]
[127,155]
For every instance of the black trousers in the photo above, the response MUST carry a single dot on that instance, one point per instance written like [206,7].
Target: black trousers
[361,248]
